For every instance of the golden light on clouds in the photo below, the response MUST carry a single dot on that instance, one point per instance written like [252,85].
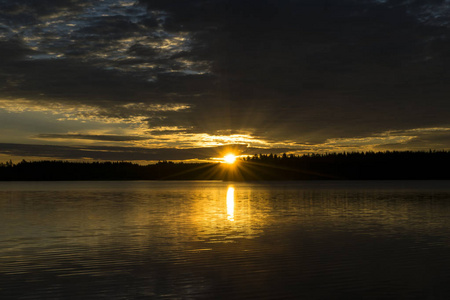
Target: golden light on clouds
[218,140]
[138,124]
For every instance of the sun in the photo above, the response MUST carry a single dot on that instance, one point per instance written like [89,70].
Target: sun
[229,159]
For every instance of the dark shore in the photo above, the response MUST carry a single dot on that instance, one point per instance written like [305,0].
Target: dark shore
[433,165]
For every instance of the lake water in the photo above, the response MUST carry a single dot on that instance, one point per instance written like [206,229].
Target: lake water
[225,240]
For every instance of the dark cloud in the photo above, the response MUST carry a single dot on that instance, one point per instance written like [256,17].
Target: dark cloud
[295,69]
[142,50]
[110,27]
[113,138]
[437,140]
[126,153]
[13,49]
[301,70]
[70,80]
[31,11]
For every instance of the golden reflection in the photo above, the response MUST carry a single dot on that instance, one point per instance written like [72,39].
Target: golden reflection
[230,203]
[223,212]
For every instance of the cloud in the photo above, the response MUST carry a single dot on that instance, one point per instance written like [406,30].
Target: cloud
[12,49]
[300,71]
[114,138]
[420,139]
[316,70]
[110,27]
[125,153]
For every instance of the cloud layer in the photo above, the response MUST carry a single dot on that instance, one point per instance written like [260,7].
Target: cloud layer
[128,153]
[299,74]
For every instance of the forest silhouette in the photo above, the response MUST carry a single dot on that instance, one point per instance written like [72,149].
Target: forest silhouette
[389,165]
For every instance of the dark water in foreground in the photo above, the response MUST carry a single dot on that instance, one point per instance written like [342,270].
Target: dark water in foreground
[220,240]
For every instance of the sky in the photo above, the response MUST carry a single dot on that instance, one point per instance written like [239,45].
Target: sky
[187,80]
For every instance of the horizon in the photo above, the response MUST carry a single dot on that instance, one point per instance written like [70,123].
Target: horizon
[230,159]
[389,165]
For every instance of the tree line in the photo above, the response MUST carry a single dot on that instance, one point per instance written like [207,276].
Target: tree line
[355,165]
[390,165]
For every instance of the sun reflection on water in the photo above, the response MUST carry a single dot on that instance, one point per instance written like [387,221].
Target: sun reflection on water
[230,203]
[224,212]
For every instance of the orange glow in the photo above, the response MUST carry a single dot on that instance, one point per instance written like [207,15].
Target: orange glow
[229,159]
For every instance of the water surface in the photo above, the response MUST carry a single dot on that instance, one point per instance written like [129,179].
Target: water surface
[225,240]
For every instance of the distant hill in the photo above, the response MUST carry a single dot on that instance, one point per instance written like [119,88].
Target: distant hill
[338,166]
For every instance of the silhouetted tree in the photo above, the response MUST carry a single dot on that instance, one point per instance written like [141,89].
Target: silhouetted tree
[348,165]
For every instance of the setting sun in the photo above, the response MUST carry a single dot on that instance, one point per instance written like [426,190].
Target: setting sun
[229,158]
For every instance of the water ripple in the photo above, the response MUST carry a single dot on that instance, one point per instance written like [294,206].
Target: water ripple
[190,240]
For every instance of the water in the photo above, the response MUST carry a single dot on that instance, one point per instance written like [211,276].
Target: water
[224,240]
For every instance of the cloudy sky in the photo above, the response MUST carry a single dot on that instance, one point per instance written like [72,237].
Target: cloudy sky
[156,80]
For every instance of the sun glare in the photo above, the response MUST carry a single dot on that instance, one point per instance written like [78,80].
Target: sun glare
[229,158]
